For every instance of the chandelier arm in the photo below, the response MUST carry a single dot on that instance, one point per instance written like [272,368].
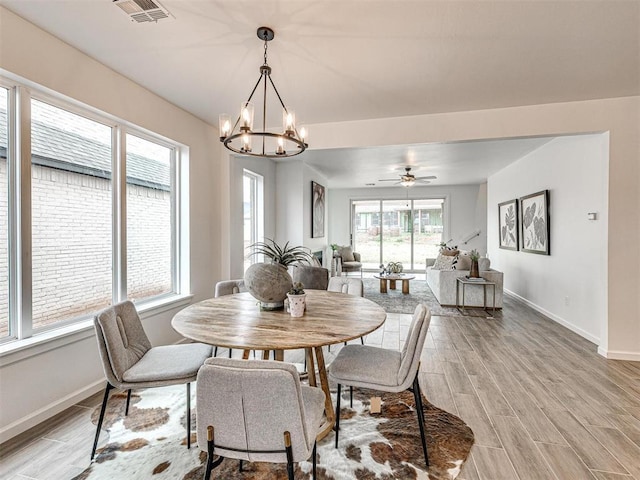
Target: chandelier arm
[278,94]
[264,101]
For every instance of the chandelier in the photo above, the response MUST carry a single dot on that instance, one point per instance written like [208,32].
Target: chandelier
[239,137]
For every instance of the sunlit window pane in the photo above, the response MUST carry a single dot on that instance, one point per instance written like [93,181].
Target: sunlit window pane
[71,214]
[149,219]
[4,217]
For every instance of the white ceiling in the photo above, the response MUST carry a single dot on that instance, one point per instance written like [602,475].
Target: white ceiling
[337,60]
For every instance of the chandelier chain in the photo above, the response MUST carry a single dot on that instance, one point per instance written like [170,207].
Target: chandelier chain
[265,49]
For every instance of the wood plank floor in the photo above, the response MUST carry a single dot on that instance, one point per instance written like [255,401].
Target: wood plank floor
[541,402]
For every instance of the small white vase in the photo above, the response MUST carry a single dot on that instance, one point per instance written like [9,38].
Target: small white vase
[296,304]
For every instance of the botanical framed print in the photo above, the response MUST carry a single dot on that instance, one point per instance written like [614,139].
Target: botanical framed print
[508,225]
[534,223]
[317,210]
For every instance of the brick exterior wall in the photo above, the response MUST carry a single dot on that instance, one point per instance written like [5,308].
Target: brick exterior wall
[72,244]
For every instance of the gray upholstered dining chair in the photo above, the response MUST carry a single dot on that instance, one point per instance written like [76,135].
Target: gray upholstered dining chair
[228,287]
[385,370]
[350,286]
[312,277]
[256,410]
[130,362]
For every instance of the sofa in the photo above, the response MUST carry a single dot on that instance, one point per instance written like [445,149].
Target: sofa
[443,283]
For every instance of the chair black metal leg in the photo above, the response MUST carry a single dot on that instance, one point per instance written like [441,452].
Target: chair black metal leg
[102,410]
[215,352]
[230,352]
[337,427]
[350,396]
[188,415]
[362,340]
[289,450]
[210,444]
[420,412]
[240,466]
[314,461]
[126,408]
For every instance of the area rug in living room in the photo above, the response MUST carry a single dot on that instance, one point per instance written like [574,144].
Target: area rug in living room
[394,301]
[150,443]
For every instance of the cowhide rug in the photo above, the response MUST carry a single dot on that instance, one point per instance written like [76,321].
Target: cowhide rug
[150,442]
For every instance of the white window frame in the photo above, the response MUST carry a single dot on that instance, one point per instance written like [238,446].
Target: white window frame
[22,335]
[257,208]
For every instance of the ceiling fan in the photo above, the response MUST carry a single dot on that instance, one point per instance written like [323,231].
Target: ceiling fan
[408,179]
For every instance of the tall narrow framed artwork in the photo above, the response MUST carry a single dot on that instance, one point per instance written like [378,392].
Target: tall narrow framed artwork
[534,223]
[317,210]
[508,225]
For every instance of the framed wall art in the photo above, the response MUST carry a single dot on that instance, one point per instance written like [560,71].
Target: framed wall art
[317,210]
[508,225]
[534,223]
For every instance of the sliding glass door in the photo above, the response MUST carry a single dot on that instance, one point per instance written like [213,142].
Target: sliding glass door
[406,231]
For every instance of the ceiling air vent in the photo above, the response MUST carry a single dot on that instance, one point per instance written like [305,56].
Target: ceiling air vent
[143,10]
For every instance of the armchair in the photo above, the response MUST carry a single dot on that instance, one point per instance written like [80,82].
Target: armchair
[349,260]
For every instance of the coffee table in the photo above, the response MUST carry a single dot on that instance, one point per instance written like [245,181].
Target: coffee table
[392,278]
[236,321]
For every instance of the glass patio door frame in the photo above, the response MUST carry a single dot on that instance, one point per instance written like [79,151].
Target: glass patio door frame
[445,220]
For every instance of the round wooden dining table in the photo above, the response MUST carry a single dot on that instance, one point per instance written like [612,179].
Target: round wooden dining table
[236,321]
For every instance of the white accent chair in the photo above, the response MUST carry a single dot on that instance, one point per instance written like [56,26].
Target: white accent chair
[130,362]
[385,370]
[256,410]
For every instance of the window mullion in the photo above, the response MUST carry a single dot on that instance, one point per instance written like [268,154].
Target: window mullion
[119,229]
[19,173]
[175,225]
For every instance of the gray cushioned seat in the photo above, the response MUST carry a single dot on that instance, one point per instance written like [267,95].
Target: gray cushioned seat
[354,366]
[168,361]
[313,278]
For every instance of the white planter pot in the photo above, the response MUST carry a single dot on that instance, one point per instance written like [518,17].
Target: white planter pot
[296,304]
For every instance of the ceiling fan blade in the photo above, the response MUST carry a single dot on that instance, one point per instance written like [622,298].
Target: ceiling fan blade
[388,180]
[430,177]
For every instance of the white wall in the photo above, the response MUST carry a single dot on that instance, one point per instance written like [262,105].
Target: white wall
[465,211]
[36,384]
[267,168]
[618,116]
[570,285]
[293,200]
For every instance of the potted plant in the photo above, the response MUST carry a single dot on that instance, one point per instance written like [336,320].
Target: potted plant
[297,300]
[474,256]
[269,282]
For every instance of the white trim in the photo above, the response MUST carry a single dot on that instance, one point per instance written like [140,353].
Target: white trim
[23,424]
[18,350]
[619,355]
[555,317]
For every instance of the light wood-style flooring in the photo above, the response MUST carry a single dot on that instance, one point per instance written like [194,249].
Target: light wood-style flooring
[541,402]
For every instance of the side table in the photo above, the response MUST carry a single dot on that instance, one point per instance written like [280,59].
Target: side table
[485,283]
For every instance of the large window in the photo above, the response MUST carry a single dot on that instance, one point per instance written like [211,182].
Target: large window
[252,213]
[70,214]
[406,231]
[149,219]
[93,216]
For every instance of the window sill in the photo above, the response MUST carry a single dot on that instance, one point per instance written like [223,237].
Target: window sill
[18,350]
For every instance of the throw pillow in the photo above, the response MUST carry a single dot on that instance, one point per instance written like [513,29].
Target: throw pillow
[444,262]
[450,253]
[464,262]
[347,254]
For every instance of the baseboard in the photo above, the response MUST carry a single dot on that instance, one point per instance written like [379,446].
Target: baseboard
[555,318]
[618,355]
[48,411]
